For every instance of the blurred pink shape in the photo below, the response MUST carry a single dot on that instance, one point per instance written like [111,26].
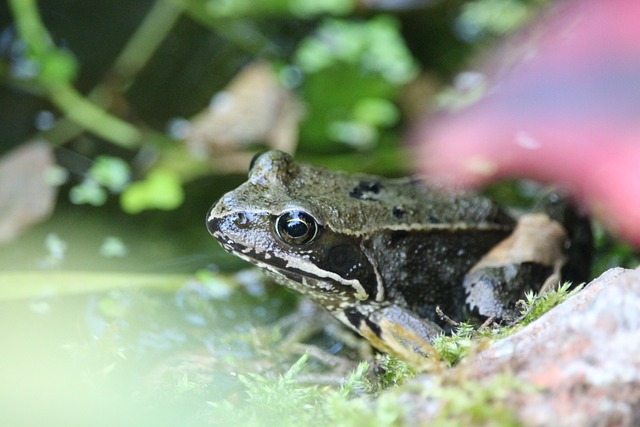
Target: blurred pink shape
[565,110]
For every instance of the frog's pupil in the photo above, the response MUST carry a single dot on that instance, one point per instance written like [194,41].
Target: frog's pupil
[297,228]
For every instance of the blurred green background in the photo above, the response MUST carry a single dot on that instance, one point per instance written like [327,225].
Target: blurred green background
[116,304]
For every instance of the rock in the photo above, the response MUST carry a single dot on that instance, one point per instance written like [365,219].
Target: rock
[584,355]
[582,358]
[25,196]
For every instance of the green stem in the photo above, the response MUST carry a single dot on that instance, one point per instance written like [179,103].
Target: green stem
[78,108]
[140,48]
[30,26]
[92,117]
[241,34]
[148,36]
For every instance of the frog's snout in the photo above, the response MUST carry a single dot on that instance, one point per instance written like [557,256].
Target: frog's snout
[217,213]
[213,222]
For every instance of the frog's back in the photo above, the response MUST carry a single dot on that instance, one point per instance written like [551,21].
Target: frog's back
[435,208]
[364,204]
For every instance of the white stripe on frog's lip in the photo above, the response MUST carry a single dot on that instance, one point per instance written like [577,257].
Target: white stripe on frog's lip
[310,268]
[379,282]
[300,264]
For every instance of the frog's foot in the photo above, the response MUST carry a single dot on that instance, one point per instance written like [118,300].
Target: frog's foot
[308,329]
[399,332]
[530,259]
[305,322]
[559,207]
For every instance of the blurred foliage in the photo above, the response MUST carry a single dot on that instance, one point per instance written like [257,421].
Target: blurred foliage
[159,190]
[493,17]
[348,64]
[285,402]
[107,173]
[297,8]
[107,82]
[366,63]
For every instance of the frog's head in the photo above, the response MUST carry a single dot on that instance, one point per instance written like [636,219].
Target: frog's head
[281,220]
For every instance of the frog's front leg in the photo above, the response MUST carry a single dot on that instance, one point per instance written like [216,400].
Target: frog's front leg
[394,330]
[530,259]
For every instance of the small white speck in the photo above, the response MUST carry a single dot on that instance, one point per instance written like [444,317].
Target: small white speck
[290,77]
[526,141]
[178,128]
[44,120]
[222,102]
[469,80]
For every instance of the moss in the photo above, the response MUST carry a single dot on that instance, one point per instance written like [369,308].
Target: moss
[389,372]
[452,348]
[380,396]
[285,402]
[474,403]
[536,305]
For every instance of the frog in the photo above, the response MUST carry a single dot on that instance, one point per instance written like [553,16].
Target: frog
[395,260]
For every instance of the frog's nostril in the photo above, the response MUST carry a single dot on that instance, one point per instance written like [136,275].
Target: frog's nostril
[240,220]
[243,220]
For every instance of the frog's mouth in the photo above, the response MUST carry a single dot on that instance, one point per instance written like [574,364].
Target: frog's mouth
[311,281]
[298,273]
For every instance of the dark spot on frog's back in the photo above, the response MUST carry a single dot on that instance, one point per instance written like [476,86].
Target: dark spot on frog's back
[366,190]
[398,212]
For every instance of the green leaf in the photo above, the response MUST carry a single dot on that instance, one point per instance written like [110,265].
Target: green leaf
[309,8]
[376,46]
[111,172]
[160,190]
[376,112]
[88,192]
[113,247]
[352,74]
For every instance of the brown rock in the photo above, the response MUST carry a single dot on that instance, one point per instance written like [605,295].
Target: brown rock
[582,358]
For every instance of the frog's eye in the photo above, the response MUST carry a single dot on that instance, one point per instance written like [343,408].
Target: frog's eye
[254,159]
[296,227]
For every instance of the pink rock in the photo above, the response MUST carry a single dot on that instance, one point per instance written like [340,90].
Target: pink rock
[582,357]
[565,110]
